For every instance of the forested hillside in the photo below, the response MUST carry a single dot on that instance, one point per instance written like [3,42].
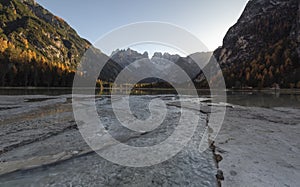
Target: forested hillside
[36,47]
[262,49]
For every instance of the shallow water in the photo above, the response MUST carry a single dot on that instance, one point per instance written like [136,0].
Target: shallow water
[268,99]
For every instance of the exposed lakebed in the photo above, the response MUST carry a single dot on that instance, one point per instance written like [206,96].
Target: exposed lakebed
[41,145]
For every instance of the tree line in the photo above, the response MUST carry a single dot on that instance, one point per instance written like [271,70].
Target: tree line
[24,67]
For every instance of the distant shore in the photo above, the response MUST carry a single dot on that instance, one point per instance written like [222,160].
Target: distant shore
[264,90]
[228,89]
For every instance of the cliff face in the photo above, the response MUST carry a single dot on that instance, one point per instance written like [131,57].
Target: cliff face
[126,57]
[262,48]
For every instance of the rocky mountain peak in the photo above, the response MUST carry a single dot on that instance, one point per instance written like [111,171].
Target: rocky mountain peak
[166,56]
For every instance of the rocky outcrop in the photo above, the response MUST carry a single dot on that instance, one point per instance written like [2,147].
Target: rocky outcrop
[126,57]
[167,56]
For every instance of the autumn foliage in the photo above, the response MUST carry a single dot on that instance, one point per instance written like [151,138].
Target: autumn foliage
[23,67]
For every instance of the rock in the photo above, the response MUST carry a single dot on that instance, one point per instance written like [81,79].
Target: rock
[233,173]
[218,158]
[220,175]
[75,152]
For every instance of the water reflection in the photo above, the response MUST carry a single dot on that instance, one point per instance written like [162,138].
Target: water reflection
[264,99]
[35,91]
[269,99]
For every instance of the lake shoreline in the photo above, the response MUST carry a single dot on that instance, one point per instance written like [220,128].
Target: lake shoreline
[205,89]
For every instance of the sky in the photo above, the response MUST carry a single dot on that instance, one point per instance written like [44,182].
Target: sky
[208,20]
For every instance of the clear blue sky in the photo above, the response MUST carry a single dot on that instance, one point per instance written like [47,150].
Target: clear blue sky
[209,20]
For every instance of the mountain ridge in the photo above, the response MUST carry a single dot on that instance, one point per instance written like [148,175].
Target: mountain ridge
[161,64]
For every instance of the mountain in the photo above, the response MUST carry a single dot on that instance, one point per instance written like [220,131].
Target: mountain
[38,48]
[126,57]
[262,49]
[164,65]
[158,55]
